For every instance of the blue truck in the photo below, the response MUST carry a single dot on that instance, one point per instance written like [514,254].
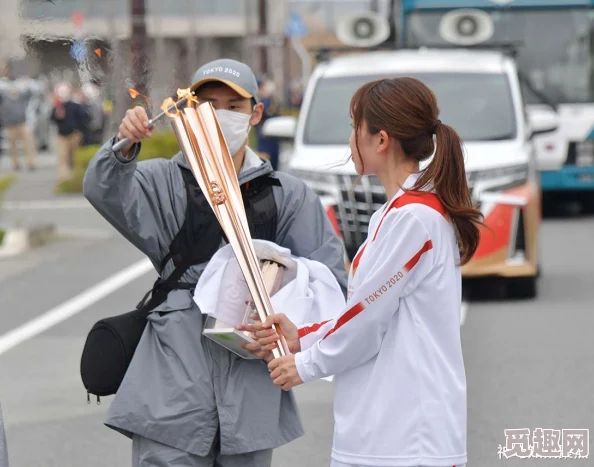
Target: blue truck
[554,44]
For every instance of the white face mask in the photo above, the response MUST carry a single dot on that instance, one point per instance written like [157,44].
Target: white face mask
[235,127]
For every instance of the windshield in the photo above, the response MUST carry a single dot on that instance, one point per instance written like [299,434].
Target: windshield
[478,105]
[554,47]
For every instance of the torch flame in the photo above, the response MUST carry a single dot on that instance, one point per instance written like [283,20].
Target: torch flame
[167,103]
[134,94]
[187,93]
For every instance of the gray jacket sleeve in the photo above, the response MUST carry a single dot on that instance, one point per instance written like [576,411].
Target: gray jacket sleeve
[305,229]
[142,200]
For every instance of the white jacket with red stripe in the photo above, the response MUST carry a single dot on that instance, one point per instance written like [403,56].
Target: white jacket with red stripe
[400,385]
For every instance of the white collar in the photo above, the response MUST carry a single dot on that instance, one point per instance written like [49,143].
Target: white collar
[250,161]
[407,185]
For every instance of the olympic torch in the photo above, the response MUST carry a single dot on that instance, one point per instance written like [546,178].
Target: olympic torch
[205,149]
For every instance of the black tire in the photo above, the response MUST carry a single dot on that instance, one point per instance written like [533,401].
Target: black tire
[538,271]
[522,287]
[588,203]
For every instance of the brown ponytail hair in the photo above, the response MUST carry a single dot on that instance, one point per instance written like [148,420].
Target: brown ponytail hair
[407,110]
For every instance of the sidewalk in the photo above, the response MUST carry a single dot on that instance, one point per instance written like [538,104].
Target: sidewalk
[32,185]
[31,202]
[31,199]
[44,160]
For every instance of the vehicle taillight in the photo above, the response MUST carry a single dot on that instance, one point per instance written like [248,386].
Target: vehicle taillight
[333,220]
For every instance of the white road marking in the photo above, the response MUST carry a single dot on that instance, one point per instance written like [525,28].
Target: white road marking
[46,204]
[73,306]
[463,311]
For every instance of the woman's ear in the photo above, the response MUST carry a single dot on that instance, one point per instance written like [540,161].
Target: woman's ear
[384,141]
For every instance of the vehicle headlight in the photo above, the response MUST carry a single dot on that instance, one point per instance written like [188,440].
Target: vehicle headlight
[584,153]
[501,176]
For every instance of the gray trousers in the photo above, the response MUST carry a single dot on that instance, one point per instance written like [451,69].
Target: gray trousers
[149,453]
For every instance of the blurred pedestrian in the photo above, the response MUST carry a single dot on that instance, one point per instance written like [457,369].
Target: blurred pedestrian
[295,93]
[3,448]
[268,146]
[93,105]
[1,133]
[13,114]
[71,120]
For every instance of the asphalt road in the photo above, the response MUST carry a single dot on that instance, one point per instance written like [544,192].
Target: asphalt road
[529,364]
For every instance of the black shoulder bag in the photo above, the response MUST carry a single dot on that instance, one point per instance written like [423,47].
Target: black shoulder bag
[111,342]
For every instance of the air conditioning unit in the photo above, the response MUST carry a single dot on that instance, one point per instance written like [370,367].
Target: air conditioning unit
[466,27]
[362,29]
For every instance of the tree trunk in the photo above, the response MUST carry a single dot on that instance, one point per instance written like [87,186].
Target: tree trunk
[140,68]
[393,38]
[262,30]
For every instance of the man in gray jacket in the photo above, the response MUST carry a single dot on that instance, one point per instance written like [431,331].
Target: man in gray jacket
[185,400]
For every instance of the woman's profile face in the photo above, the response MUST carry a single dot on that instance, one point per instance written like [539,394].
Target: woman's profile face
[354,152]
[363,160]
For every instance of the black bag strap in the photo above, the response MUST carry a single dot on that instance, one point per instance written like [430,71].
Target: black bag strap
[209,230]
[162,287]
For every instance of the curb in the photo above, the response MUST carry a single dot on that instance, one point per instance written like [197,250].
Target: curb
[19,240]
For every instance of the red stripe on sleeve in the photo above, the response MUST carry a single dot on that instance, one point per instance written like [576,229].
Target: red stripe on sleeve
[355,264]
[305,330]
[359,307]
[415,259]
[392,206]
[346,317]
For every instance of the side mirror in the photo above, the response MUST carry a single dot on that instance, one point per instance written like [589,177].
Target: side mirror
[542,120]
[280,128]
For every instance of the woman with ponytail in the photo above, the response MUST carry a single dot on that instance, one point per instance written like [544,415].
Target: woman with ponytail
[395,351]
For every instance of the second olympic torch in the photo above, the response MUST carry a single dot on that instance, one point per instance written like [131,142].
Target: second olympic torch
[205,149]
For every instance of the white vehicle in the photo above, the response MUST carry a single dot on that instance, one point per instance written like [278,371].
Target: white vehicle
[478,93]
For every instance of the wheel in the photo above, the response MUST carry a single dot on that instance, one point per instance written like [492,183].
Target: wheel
[522,287]
[588,203]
